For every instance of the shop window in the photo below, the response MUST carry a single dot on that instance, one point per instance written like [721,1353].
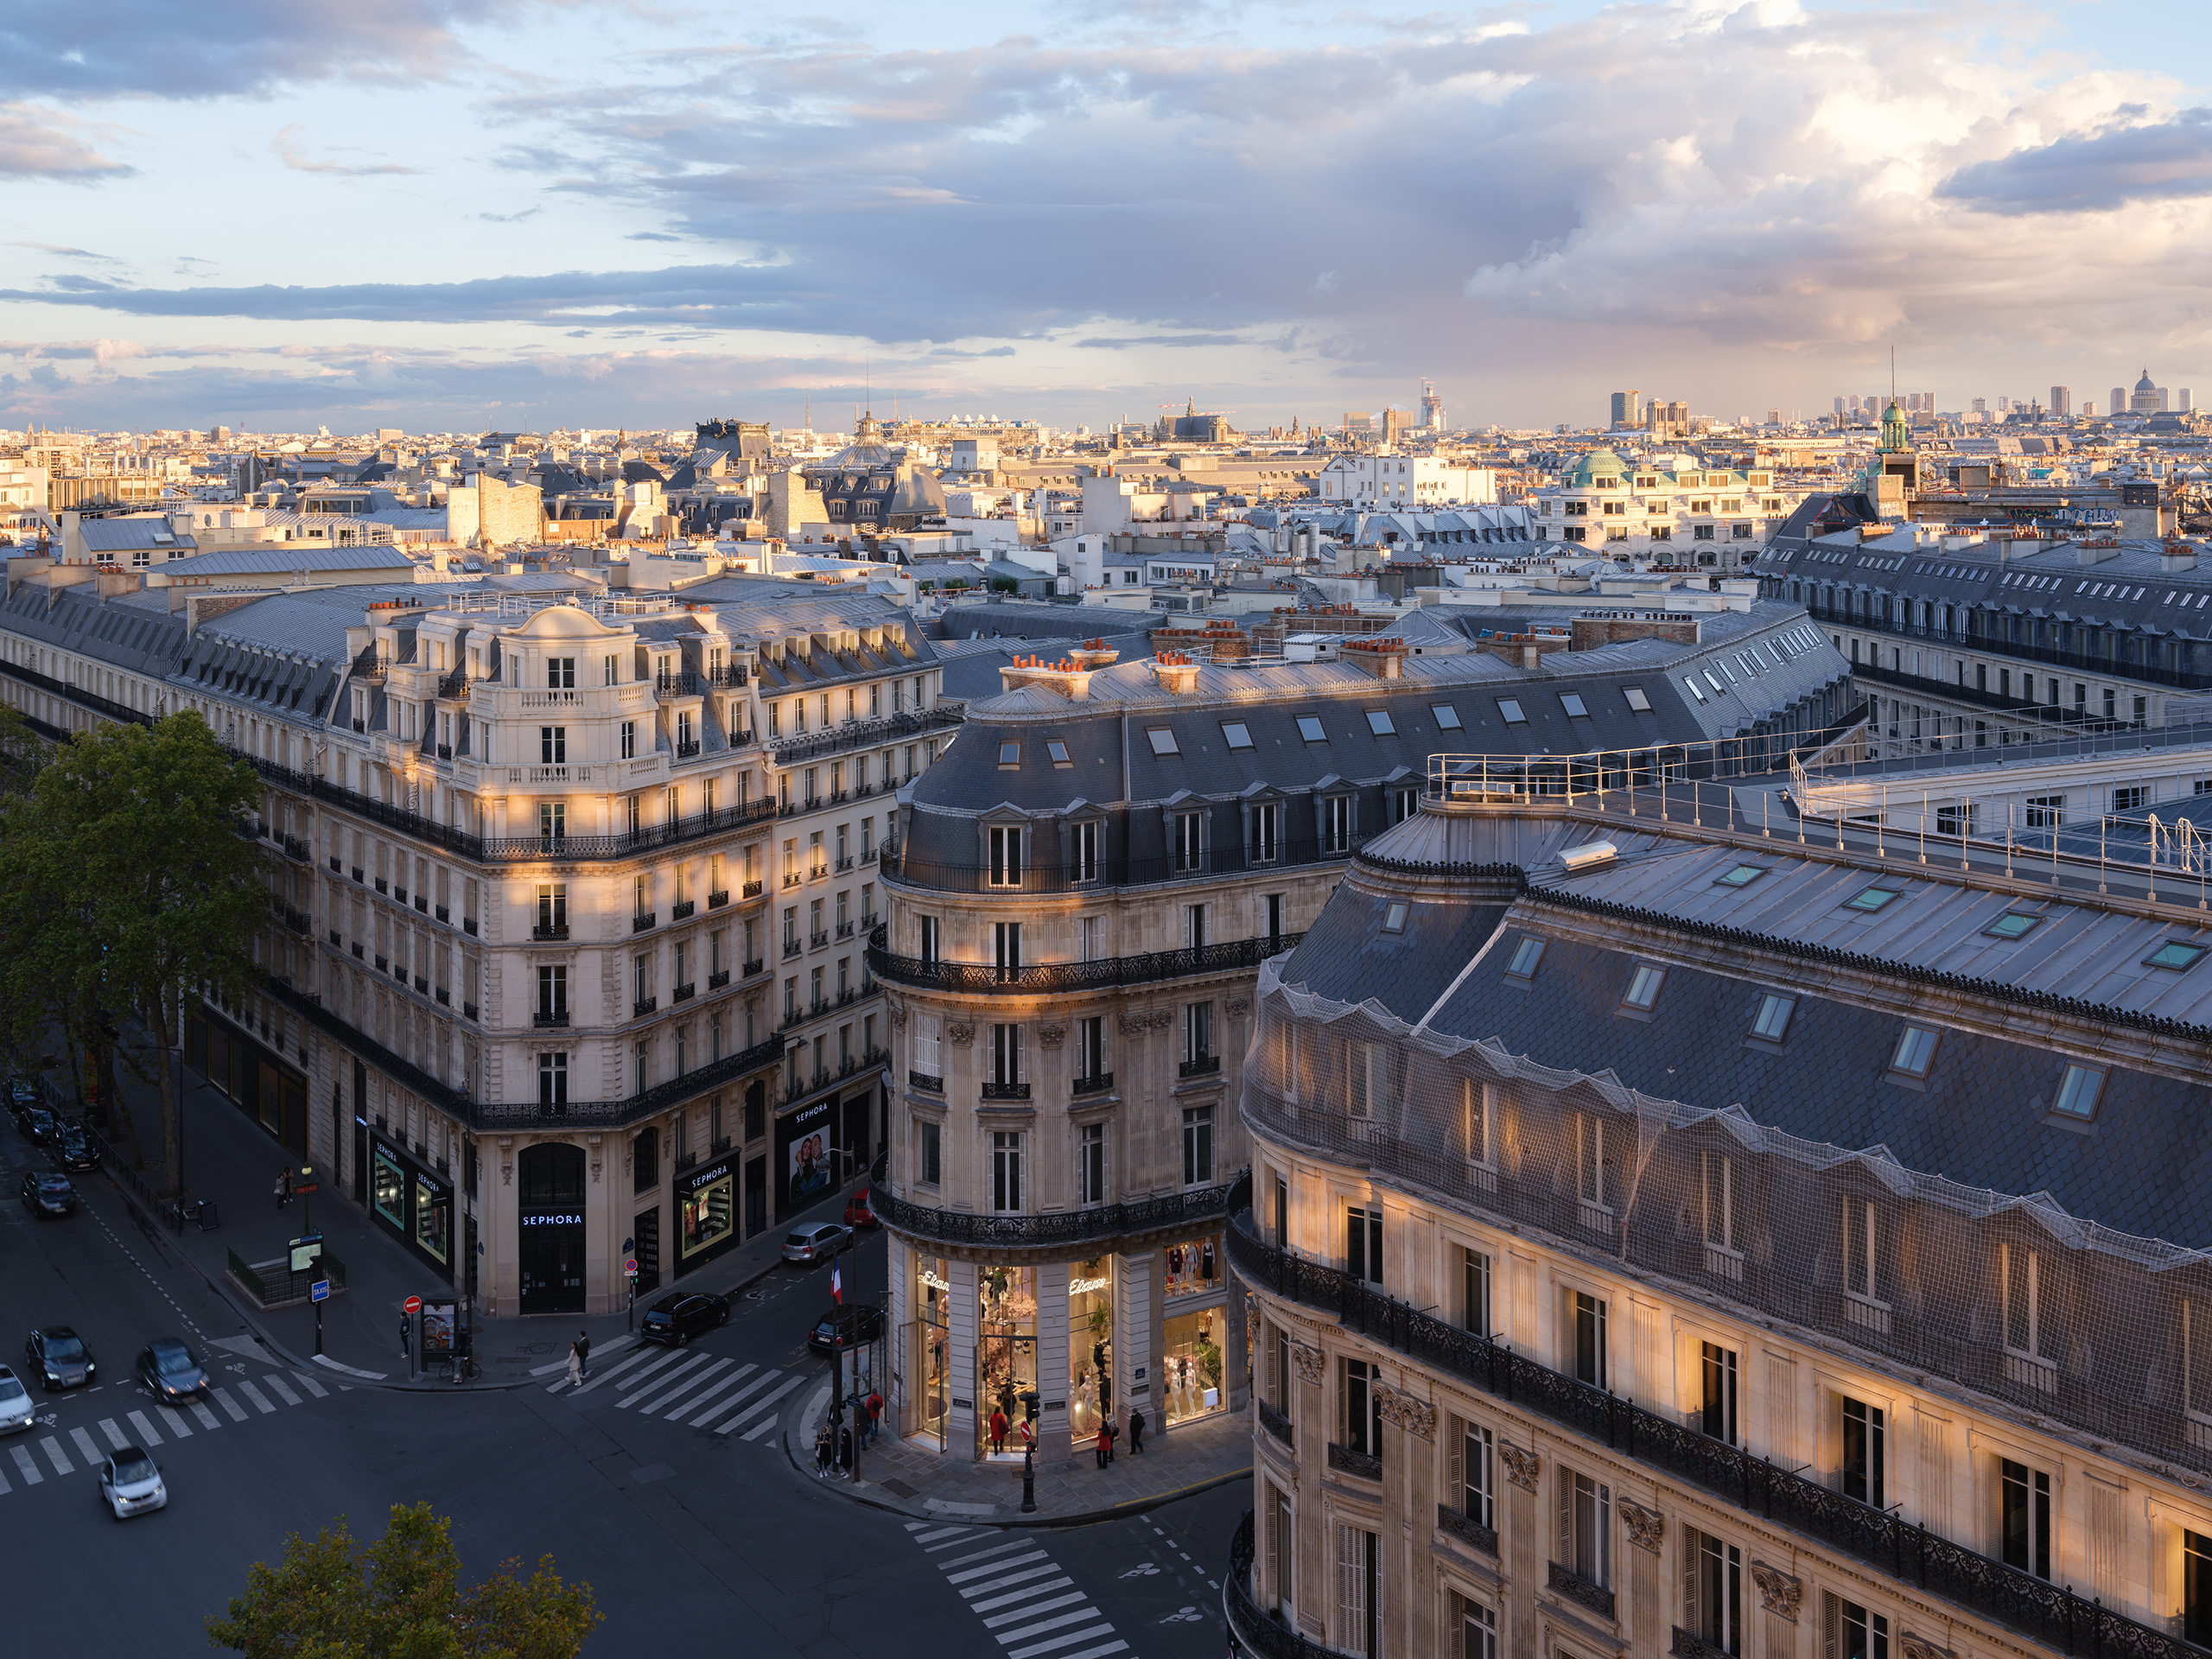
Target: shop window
[929,1346]
[1090,1346]
[1006,1342]
[388,1187]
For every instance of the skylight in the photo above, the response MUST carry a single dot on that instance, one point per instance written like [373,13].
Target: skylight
[2078,1090]
[1163,739]
[1643,986]
[1572,705]
[1636,700]
[1774,1017]
[1058,751]
[1009,757]
[1526,956]
[2013,925]
[1871,899]
[1447,717]
[1741,877]
[2176,954]
[1394,918]
[1511,710]
[1309,728]
[1239,735]
[1696,690]
[1379,721]
[1915,1052]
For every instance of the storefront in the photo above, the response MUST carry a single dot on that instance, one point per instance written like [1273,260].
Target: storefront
[1006,1350]
[549,1223]
[265,1086]
[931,1298]
[413,1202]
[1194,1336]
[805,1171]
[705,1214]
[1090,1346]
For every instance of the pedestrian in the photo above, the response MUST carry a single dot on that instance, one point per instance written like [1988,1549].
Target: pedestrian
[575,1366]
[998,1429]
[875,1415]
[845,1449]
[284,1187]
[583,1352]
[822,1453]
[1105,1445]
[1136,1430]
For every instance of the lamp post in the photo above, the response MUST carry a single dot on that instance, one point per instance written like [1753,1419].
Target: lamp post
[1029,1451]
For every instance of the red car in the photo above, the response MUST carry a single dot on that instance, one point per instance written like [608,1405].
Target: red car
[857,1213]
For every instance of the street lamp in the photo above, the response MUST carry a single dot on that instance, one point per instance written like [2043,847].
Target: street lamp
[1029,1451]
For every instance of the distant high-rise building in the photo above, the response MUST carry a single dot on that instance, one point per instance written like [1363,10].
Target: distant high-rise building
[1359,423]
[1838,405]
[1981,405]
[1774,417]
[2180,400]
[2062,401]
[2119,404]
[1395,422]
[2003,403]
[1627,410]
[1432,407]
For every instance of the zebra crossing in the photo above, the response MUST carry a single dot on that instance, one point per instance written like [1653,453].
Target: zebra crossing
[699,1389]
[149,1426]
[1026,1602]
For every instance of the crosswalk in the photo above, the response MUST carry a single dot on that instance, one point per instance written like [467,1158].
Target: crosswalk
[151,1426]
[700,1390]
[1029,1605]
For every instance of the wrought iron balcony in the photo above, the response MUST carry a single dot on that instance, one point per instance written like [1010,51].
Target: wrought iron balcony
[551,1019]
[543,931]
[682,910]
[753,966]
[1274,1422]
[821,939]
[1097,1085]
[685,751]
[1468,1530]
[752,890]
[1202,1065]
[681,993]
[1577,1589]
[297,851]
[1177,1210]
[926,1081]
[716,900]
[1365,1466]
[1006,1092]
[716,981]
[1043,978]
[639,924]
[644,1006]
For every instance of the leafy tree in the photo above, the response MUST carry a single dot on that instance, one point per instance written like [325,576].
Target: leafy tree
[401,1598]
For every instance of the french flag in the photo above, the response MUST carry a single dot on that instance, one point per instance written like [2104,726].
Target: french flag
[836,1283]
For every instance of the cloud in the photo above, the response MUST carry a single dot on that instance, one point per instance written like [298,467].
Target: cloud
[510,218]
[650,236]
[41,144]
[950,352]
[1101,343]
[288,145]
[103,353]
[60,253]
[2159,161]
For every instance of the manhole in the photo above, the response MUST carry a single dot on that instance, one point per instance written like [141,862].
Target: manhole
[537,1348]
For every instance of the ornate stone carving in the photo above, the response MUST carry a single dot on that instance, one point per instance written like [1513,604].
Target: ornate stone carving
[1779,1592]
[594,1171]
[1646,1528]
[1144,1019]
[1311,1364]
[1918,1646]
[1238,1007]
[1522,1465]
[1052,1036]
[898,1016]
[507,1174]
[1251,1322]
[960,1032]
[1405,1411]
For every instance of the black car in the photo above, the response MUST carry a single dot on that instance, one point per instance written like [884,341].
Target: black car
[168,1370]
[857,1324]
[678,1317]
[22,1095]
[59,1358]
[48,1192]
[74,1147]
[37,1123]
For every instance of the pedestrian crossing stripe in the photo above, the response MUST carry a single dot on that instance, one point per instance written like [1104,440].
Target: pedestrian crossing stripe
[150,1426]
[1031,1608]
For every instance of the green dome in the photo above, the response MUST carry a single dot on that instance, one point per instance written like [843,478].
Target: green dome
[1599,463]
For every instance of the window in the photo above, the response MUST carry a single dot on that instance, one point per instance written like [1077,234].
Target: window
[1162,739]
[2176,954]
[1363,1243]
[1573,705]
[1336,824]
[2046,811]
[1957,821]
[1056,750]
[1363,1408]
[1238,736]
[1773,1021]
[1740,875]
[1854,1633]
[2130,797]
[1469,1483]
[1713,1592]
[2196,1588]
[1511,709]
[1009,757]
[1090,1164]
[1915,1051]
[629,740]
[1587,1314]
[1394,917]
[2013,924]
[1869,899]
[1309,728]
[553,908]
[1006,943]
[1636,701]
[552,1079]
[1005,1171]
[2078,1090]
[1526,956]
[1364,1077]
[552,824]
[1643,986]
[932,1169]
[1005,1055]
[1716,1382]
[560,673]
[2023,1517]
[928,928]
[1189,832]
[1005,856]
[1447,717]
[1198,1037]
[1083,848]
[1379,721]
[1198,1145]
[1266,828]
[1474,1291]
[552,994]
[1696,690]
[1586,1527]
[1864,1453]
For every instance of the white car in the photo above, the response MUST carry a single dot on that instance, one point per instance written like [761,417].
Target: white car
[15,1408]
[130,1484]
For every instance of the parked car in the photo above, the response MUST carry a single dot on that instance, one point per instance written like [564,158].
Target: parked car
[48,1192]
[859,1211]
[130,1484]
[74,1147]
[37,1123]
[16,1411]
[818,1244]
[22,1095]
[168,1370]
[682,1315]
[59,1358]
[856,1322]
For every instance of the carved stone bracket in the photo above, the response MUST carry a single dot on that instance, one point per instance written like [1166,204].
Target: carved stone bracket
[1052,1036]
[1144,1019]
[1921,1647]
[1405,1411]
[1646,1528]
[1522,1467]
[1238,1007]
[897,1016]
[1780,1592]
[961,1032]
[1312,1364]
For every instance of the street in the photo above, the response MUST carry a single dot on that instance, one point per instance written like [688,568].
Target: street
[664,1483]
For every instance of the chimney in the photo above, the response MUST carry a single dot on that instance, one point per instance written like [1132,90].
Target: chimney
[1069,678]
[1174,672]
[2174,556]
[1383,658]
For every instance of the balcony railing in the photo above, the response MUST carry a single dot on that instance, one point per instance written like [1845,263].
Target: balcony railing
[2045,1612]
[639,924]
[1260,1631]
[1097,1085]
[716,980]
[1043,978]
[1468,1530]
[680,910]
[1187,1208]
[859,734]
[550,931]
[1274,1422]
[549,1018]
[1567,1582]
[1006,1092]
[1345,1461]
[644,1006]
[752,890]
[1199,1065]
[1115,872]
[753,965]
[716,900]
[683,993]
[929,1083]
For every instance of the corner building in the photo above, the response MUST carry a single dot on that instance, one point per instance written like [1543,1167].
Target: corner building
[1720,1244]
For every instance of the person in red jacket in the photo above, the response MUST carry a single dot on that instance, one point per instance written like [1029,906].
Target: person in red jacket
[998,1429]
[1105,1446]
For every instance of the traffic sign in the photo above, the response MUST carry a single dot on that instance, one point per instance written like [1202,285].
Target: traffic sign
[307,1186]
[305,1252]
[319,1291]
[631,1267]
[412,1305]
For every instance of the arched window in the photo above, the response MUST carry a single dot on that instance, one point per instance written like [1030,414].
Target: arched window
[550,1173]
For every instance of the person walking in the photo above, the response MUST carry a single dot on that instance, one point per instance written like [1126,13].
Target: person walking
[575,1366]
[822,1444]
[845,1449]
[998,1429]
[875,1415]
[284,1187]
[583,1352]
[1105,1445]
[1136,1430]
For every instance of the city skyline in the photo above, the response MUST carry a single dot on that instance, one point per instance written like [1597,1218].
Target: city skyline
[451,216]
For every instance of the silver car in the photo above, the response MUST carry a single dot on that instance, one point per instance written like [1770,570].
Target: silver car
[812,1244]
[130,1484]
[16,1411]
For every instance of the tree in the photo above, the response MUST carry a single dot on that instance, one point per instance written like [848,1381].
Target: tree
[127,889]
[401,1598]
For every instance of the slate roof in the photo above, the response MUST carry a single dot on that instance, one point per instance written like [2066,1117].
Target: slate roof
[127,535]
[284,560]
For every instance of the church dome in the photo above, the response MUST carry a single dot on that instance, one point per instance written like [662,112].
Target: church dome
[2145,384]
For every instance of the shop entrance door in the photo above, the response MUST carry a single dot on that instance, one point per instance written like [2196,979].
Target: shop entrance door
[550,1249]
[756,1197]
[856,1126]
[1005,1369]
[552,1262]
[361,1162]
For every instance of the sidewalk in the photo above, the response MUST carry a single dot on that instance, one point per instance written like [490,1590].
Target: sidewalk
[230,1161]
[918,1481]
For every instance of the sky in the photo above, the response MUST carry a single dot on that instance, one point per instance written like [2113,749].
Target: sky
[464,215]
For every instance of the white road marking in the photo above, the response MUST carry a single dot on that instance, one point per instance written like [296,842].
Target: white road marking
[330,1364]
[207,1418]
[52,1447]
[312,1386]
[90,1451]
[149,1436]
[1099,1652]
[1068,1640]
[1035,1608]
[1084,1616]
[632,1399]
[260,1404]
[995,1549]
[562,1364]
[710,1401]
[615,1371]
[1010,1578]
[1027,1592]
[653,1406]
[178,1428]
[716,1407]
[31,1475]
[114,1434]
[281,1390]
[230,1405]
[1035,1554]
[764,1401]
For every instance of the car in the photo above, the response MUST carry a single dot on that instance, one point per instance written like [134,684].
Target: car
[130,1484]
[859,1208]
[37,1123]
[74,1147]
[808,1245]
[682,1315]
[59,1358]
[17,1410]
[168,1370]
[22,1095]
[855,1323]
[48,1192]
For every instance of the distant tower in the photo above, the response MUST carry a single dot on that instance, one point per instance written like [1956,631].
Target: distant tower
[1628,410]
[2062,401]
[1432,407]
